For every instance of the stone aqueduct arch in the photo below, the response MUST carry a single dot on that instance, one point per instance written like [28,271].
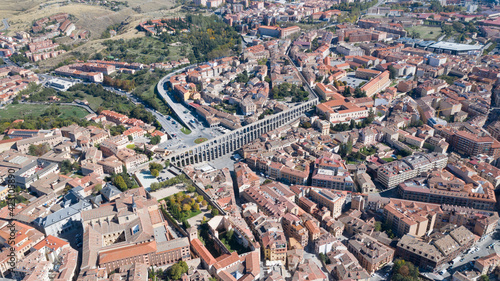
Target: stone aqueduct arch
[234,140]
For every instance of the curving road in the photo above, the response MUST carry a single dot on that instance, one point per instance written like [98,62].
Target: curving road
[5,24]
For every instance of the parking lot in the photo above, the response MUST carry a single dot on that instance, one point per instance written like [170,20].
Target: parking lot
[352,81]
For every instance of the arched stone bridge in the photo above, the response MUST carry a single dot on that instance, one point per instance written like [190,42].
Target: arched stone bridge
[234,140]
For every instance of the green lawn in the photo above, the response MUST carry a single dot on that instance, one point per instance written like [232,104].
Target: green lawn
[20,110]
[186,131]
[425,32]
[200,140]
[388,159]
[94,102]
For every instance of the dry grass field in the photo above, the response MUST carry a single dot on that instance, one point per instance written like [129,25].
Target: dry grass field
[22,13]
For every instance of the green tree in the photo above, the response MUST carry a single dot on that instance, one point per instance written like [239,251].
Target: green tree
[167,164]
[178,269]
[447,29]
[66,167]
[38,150]
[484,278]
[155,173]
[306,125]
[120,183]
[404,271]
[345,149]
[155,140]
[155,166]
[393,72]
[215,212]
[155,186]
[347,91]
[97,188]
[196,207]
[378,226]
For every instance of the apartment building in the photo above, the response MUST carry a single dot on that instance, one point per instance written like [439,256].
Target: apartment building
[419,252]
[275,247]
[334,201]
[292,226]
[441,250]
[471,144]
[51,140]
[377,84]
[409,217]
[489,172]
[349,50]
[332,179]
[313,229]
[114,117]
[394,173]
[479,222]
[371,254]
[111,165]
[366,73]
[448,190]
[486,265]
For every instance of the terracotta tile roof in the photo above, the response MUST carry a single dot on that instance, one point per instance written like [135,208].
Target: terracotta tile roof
[51,242]
[203,252]
[127,252]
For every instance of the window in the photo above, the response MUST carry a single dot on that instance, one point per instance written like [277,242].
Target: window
[135,229]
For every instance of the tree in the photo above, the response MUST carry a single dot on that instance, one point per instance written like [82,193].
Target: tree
[155,186]
[155,166]
[186,207]
[459,27]
[155,140]
[97,188]
[155,173]
[404,271]
[191,189]
[167,164]
[266,181]
[358,93]
[215,212]
[393,72]
[345,149]
[347,91]
[38,150]
[120,183]
[352,124]
[204,203]
[306,125]
[66,167]
[196,207]
[199,198]
[447,29]
[378,226]
[484,278]
[178,269]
